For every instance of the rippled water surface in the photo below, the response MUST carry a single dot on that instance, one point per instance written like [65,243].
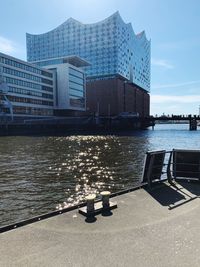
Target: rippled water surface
[41,174]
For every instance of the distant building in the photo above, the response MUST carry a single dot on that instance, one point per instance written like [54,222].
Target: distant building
[111,46]
[116,55]
[25,90]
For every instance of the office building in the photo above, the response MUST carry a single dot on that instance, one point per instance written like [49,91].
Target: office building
[25,90]
[70,83]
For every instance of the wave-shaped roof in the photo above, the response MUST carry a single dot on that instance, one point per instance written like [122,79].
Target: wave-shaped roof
[72,20]
[69,20]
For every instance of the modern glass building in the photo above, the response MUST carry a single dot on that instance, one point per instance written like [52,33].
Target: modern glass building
[25,90]
[70,84]
[111,46]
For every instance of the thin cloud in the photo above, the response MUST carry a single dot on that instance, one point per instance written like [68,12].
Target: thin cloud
[7,46]
[162,63]
[174,85]
[180,45]
[172,99]
[170,45]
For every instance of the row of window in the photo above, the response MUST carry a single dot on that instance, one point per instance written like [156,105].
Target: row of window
[19,65]
[29,92]
[49,62]
[47,88]
[76,86]
[75,79]
[23,83]
[29,111]
[103,66]
[50,82]
[92,79]
[26,76]
[75,72]
[98,41]
[28,84]
[21,74]
[89,53]
[47,74]
[32,111]
[101,71]
[30,100]
[77,102]
[74,45]
[73,48]
[76,92]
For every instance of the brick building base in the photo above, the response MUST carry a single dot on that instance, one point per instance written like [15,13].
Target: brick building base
[113,96]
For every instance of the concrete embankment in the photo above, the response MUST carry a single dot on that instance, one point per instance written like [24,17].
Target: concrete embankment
[68,125]
[148,229]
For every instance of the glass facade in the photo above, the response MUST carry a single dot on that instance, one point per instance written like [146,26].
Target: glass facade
[111,46]
[76,88]
[30,88]
[50,62]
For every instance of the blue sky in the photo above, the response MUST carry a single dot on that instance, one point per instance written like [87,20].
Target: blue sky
[172,26]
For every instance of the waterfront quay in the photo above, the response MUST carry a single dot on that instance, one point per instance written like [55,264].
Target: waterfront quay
[90,123]
[157,227]
[62,125]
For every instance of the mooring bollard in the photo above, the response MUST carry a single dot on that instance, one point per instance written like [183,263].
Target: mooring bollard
[90,203]
[93,208]
[105,199]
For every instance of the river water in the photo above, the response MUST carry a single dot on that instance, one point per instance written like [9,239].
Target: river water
[39,174]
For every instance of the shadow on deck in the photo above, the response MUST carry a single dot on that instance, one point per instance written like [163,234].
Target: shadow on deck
[175,194]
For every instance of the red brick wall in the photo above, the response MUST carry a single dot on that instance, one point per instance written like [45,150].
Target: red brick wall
[146,105]
[130,98]
[115,96]
[102,93]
